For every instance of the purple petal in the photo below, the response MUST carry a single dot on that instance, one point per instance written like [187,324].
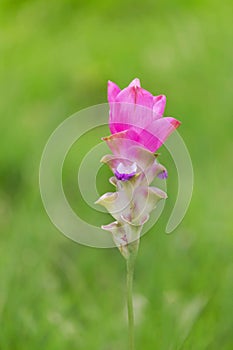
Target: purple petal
[163,175]
[125,172]
[124,177]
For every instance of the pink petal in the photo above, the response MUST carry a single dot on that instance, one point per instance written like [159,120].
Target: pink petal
[135,82]
[133,107]
[126,115]
[135,94]
[113,91]
[156,133]
[150,137]
[159,105]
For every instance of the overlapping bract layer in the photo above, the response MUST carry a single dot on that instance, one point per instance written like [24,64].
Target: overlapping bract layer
[134,199]
[138,129]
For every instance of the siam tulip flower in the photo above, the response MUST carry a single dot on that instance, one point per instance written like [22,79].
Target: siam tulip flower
[138,129]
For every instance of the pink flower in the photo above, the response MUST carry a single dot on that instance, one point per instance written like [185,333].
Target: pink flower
[137,115]
[138,129]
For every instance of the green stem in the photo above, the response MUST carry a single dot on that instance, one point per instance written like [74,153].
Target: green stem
[130,273]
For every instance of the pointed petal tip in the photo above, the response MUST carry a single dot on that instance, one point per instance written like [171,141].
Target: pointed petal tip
[135,83]
[160,98]
[163,174]
[111,83]
[159,104]
[118,135]
[159,193]
[176,123]
[113,91]
[105,159]
[113,181]
[106,198]
[110,226]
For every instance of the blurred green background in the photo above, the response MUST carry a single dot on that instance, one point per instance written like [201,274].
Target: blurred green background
[56,58]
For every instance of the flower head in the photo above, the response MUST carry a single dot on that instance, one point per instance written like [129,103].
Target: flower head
[138,129]
[139,114]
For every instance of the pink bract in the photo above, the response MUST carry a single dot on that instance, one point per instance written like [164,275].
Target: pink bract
[139,115]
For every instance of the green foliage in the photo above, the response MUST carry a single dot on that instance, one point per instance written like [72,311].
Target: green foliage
[56,57]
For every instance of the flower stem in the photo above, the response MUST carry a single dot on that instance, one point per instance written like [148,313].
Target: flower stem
[130,273]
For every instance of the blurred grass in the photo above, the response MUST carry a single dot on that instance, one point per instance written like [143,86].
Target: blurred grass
[56,58]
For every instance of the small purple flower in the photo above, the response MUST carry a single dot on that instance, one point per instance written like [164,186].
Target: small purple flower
[125,173]
[163,175]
